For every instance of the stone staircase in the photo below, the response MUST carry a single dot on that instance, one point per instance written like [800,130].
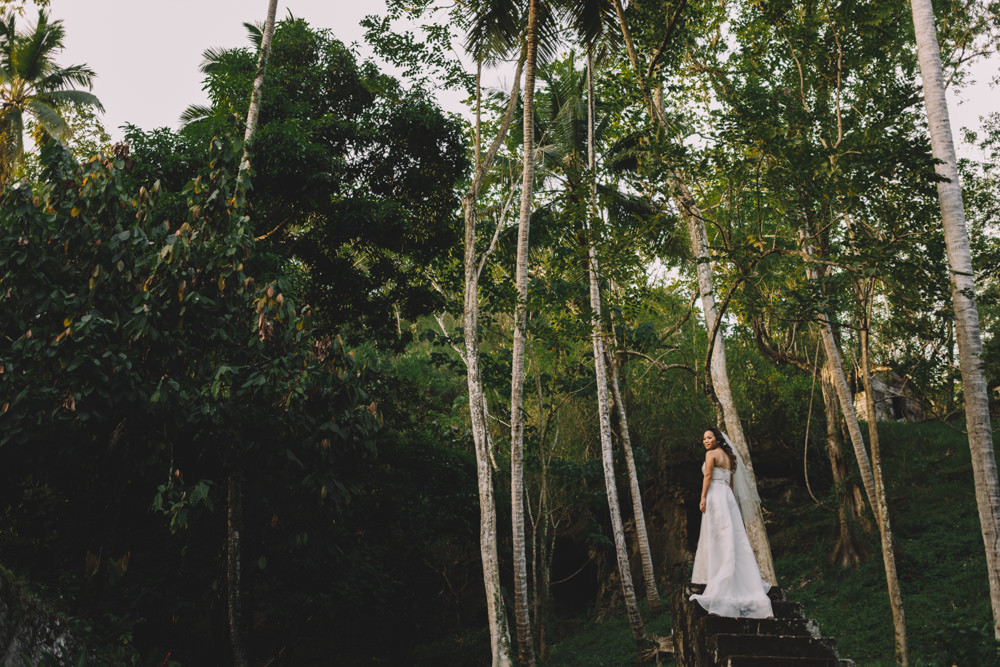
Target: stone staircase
[787,640]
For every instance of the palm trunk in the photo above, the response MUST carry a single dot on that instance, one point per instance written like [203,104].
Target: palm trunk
[719,373]
[639,516]
[963,288]
[539,564]
[234,520]
[525,648]
[652,594]
[495,607]
[478,413]
[604,414]
[234,492]
[258,83]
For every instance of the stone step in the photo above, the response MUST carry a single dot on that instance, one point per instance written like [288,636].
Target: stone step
[784,609]
[772,661]
[776,593]
[721,645]
[800,627]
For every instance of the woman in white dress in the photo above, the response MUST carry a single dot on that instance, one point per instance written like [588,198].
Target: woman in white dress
[724,561]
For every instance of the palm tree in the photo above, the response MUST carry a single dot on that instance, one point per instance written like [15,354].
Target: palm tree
[571,129]
[497,30]
[32,84]
[478,412]
[234,480]
[595,23]
[970,348]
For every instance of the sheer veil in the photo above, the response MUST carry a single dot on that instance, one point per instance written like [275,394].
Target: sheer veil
[743,489]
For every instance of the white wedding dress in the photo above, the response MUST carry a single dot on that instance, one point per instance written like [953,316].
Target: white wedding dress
[724,561]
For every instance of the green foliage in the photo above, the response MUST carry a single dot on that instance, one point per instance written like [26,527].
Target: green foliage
[607,644]
[34,87]
[355,178]
[939,550]
[141,349]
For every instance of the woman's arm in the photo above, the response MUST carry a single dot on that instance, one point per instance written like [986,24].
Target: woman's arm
[707,479]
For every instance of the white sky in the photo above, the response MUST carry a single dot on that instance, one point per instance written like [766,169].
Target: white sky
[147,52]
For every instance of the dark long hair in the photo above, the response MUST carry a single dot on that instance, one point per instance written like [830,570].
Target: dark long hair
[721,439]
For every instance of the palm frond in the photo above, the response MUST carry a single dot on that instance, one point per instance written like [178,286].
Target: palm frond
[8,38]
[59,98]
[593,21]
[255,33]
[211,57]
[48,118]
[550,33]
[59,78]
[34,55]
[195,113]
[495,30]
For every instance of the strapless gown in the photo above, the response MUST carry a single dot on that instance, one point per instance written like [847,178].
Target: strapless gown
[724,561]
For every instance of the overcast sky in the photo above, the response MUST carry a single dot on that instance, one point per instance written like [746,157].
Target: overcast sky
[147,52]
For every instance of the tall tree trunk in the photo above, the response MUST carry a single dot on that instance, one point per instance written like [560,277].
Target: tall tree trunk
[873,486]
[847,552]
[234,491]
[888,548]
[607,456]
[638,514]
[258,84]
[963,289]
[234,526]
[695,221]
[642,537]
[525,648]
[478,413]
[540,560]
[719,373]
[495,607]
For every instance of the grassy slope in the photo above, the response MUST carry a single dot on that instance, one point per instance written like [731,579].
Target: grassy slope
[940,561]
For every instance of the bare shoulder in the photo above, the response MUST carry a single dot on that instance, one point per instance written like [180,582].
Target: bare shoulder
[719,458]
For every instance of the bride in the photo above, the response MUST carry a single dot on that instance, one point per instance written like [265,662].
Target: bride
[724,561]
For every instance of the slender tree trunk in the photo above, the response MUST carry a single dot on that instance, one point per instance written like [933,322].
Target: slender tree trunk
[525,648]
[495,607]
[258,83]
[720,375]
[963,289]
[478,413]
[234,526]
[847,552]
[607,456]
[888,548]
[234,491]
[540,551]
[652,594]
[695,221]
[873,488]
[638,514]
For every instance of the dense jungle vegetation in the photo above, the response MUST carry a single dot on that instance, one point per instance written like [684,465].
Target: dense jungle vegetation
[296,411]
